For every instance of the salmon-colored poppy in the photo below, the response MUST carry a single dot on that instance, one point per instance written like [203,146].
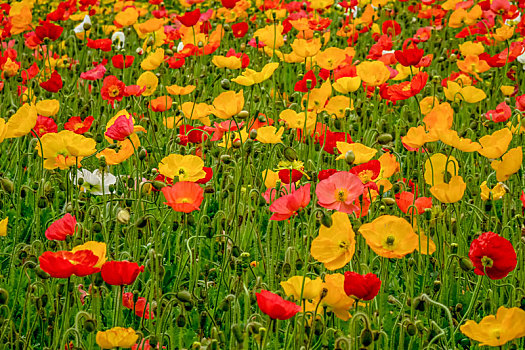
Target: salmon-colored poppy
[340,191]
[183,196]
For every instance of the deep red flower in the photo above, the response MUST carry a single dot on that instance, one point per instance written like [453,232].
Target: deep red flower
[54,83]
[140,307]
[77,125]
[502,113]
[49,30]
[195,134]
[288,176]
[240,29]
[61,228]
[121,61]
[286,206]
[404,90]
[326,173]
[183,196]
[405,200]
[44,125]
[64,264]
[112,89]
[492,254]
[275,306]
[101,44]
[190,18]
[409,56]
[328,139]
[119,273]
[308,82]
[368,171]
[29,73]
[391,28]
[229,4]
[362,287]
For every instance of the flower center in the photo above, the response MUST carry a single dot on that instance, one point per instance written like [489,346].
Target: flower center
[487,262]
[366,176]
[341,195]
[390,241]
[343,245]
[113,91]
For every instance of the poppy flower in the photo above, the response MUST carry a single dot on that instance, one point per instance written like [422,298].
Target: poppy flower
[288,205]
[339,192]
[326,173]
[185,167]
[298,286]
[361,152]
[101,44]
[497,330]
[335,245]
[121,61]
[3,226]
[64,264]
[183,196]
[209,175]
[405,201]
[44,125]
[228,104]
[64,149]
[122,128]
[492,254]
[390,236]
[112,89]
[288,176]
[362,287]
[229,4]
[190,18]
[140,307]
[496,144]
[61,228]
[306,84]
[49,30]
[250,77]
[391,28]
[502,113]
[77,125]
[161,104]
[450,192]
[496,193]
[117,337]
[509,165]
[54,83]
[240,29]
[95,73]
[275,306]
[409,56]
[406,89]
[119,273]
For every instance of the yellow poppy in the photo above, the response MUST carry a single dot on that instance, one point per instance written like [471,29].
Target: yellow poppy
[21,122]
[373,73]
[3,227]
[495,145]
[470,94]
[64,149]
[417,137]
[449,192]
[390,236]
[337,106]
[231,62]
[496,193]
[317,97]
[345,85]
[451,138]
[117,337]
[97,248]
[509,165]
[362,153]
[180,90]
[270,35]
[330,58]
[153,61]
[437,166]
[269,134]
[296,120]
[148,80]
[336,299]
[299,285]
[335,245]
[306,48]
[186,168]
[228,104]
[250,77]
[48,108]
[497,330]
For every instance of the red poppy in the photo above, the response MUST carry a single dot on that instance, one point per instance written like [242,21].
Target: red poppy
[492,254]
[522,198]
[404,90]
[29,73]
[112,89]
[61,228]
[326,173]
[64,264]
[362,287]
[368,171]
[275,306]
[190,18]
[288,176]
[183,196]
[502,113]
[44,125]
[240,29]
[193,134]
[101,44]
[121,61]
[77,125]
[306,84]
[391,28]
[409,56]
[219,129]
[328,139]
[49,30]
[54,83]
[119,273]
[140,307]
[134,90]
[121,128]
[405,200]
[229,4]
[175,62]
[286,206]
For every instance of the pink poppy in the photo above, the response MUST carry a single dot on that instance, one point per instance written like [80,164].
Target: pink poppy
[340,191]
[286,206]
[95,73]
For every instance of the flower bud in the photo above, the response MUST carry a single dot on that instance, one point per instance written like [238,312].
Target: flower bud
[326,220]
[123,216]
[466,264]
[7,185]
[366,337]
[184,296]
[90,325]
[411,329]
[383,139]
[4,296]
[349,157]
[290,154]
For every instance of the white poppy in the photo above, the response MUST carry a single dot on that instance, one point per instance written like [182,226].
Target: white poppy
[120,40]
[80,28]
[92,181]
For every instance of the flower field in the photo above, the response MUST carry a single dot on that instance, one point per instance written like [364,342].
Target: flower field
[262,174]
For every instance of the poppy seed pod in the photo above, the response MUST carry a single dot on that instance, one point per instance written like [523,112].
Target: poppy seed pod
[349,157]
[326,220]
[366,337]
